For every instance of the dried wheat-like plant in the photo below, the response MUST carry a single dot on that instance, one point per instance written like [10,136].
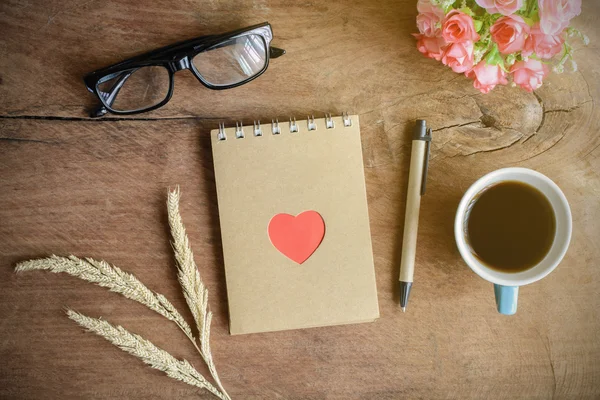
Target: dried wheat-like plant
[152,355]
[113,278]
[194,291]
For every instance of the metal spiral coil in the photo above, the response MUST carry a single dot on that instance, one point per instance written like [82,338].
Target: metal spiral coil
[294,126]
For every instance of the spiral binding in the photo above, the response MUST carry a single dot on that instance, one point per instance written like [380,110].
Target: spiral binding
[294,127]
[257,130]
[329,124]
[275,127]
[239,130]
[310,123]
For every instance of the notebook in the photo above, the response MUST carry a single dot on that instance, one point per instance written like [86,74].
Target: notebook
[294,224]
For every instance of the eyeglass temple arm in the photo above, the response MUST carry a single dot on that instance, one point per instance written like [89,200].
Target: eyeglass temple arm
[110,96]
[275,52]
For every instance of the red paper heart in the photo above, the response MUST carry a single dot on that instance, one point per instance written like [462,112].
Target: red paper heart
[297,237]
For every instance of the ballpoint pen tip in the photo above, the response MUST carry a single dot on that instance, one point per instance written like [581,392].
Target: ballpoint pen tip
[403,309]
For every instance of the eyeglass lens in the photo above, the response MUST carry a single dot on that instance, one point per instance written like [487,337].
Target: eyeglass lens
[135,89]
[232,61]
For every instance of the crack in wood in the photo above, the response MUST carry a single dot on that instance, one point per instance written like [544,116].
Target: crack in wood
[546,344]
[488,150]
[397,101]
[457,125]
[566,110]
[544,112]
[543,151]
[588,86]
[109,119]
[591,151]
[539,99]
[7,139]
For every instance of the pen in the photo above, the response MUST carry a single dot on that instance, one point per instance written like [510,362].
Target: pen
[419,163]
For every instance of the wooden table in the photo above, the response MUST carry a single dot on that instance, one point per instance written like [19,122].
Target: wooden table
[70,184]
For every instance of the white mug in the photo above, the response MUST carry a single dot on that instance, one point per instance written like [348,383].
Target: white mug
[506,284]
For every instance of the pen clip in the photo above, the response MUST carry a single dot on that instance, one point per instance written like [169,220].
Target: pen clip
[426,138]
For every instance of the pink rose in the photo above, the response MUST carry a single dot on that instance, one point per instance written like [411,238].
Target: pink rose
[487,76]
[458,27]
[426,7]
[428,24]
[555,15]
[510,33]
[529,74]
[544,46]
[430,46]
[459,56]
[504,7]
[429,19]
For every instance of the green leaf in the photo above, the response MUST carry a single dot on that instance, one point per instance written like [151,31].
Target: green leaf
[479,46]
[535,17]
[494,18]
[467,11]
[511,59]
[528,21]
[478,24]
[503,67]
[494,57]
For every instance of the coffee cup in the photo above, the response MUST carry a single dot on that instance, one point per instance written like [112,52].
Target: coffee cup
[506,284]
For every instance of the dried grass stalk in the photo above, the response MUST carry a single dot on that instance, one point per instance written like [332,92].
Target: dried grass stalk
[113,278]
[194,291]
[143,349]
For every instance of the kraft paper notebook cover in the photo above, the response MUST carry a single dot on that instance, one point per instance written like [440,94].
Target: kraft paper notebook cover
[294,224]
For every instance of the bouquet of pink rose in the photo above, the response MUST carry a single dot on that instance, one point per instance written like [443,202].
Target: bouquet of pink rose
[488,40]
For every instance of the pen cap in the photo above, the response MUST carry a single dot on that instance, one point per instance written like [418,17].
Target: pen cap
[420,131]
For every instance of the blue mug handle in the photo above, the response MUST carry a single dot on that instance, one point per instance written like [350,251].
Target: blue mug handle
[506,298]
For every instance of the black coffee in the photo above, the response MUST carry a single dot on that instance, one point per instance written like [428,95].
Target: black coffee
[511,226]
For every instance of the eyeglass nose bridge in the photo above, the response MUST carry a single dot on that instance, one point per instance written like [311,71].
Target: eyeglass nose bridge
[178,65]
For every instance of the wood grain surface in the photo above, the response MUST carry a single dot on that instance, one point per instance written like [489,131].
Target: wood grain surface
[98,188]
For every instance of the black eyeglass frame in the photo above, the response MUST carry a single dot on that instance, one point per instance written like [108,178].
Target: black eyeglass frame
[177,57]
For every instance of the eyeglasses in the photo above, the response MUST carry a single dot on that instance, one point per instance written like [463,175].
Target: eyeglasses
[145,82]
